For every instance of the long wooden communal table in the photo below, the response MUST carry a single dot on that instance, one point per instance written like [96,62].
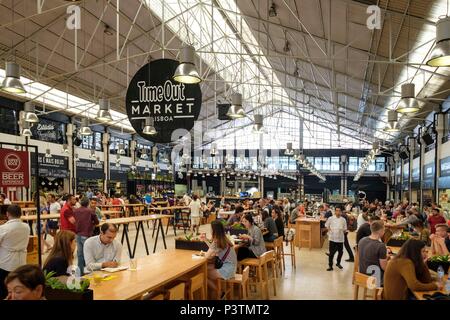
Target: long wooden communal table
[420,294]
[123,207]
[139,227]
[173,215]
[30,210]
[32,218]
[24,204]
[316,234]
[153,272]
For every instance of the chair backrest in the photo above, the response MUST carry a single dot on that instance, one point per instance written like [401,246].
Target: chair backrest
[367,283]
[177,292]
[197,282]
[268,256]
[278,242]
[245,275]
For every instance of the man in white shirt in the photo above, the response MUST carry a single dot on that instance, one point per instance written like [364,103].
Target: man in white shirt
[4,199]
[14,235]
[102,251]
[336,226]
[54,208]
[186,199]
[195,206]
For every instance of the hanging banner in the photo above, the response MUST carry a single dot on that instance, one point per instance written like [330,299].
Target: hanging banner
[445,167]
[14,168]
[172,105]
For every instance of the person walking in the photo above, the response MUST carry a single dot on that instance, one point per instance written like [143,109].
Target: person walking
[337,226]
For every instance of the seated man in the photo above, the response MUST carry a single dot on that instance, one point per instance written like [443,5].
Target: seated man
[102,251]
[440,241]
[27,282]
[236,217]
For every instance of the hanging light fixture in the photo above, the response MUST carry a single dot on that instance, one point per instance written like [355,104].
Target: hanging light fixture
[118,158]
[97,161]
[76,157]
[144,155]
[149,126]
[440,56]
[103,113]
[236,110]
[85,130]
[392,125]
[92,155]
[48,153]
[272,10]
[121,150]
[289,151]
[117,164]
[26,132]
[29,113]
[408,104]
[186,72]
[12,83]
[213,151]
[258,126]
[65,148]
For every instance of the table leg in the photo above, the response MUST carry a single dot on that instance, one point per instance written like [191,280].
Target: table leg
[145,238]
[156,240]
[31,227]
[162,232]
[125,230]
[136,240]
[205,280]
[174,225]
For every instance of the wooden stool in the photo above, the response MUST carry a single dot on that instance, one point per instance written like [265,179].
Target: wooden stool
[177,292]
[363,281]
[258,265]
[196,284]
[290,243]
[302,229]
[355,265]
[270,276]
[277,246]
[242,281]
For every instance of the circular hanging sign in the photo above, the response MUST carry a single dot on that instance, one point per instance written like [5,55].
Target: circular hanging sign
[172,105]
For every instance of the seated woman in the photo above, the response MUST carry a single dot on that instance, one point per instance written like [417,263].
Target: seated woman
[270,226]
[27,282]
[253,245]
[423,233]
[408,272]
[61,256]
[277,216]
[221,247]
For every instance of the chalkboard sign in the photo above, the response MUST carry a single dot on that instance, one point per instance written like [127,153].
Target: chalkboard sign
[49,130]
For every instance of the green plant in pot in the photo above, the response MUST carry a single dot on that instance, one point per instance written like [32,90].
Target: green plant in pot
[58,290]
[439,260]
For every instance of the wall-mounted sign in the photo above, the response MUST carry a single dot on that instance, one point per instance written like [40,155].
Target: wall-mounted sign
[428,176]
[48,130]
[406,172]
[415,174]
[54,167]
[14,168]
[445,167]
[90,169]
[153,93]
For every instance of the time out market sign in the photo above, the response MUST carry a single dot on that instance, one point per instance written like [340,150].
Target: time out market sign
[172,105]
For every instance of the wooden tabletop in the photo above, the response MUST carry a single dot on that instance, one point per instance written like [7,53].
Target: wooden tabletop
[122,205]
[419,294]
[308,220]
[169,208]
[43,217]
[28,209]
[153,271]
[135,219]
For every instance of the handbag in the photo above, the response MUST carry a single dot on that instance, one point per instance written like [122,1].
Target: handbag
[218,262]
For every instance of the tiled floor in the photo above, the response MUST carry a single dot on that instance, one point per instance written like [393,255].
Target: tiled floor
[309,281]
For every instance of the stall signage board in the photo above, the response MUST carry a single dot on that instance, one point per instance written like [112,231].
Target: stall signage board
[14,168]
[174,106]
[89,165]
[53,167]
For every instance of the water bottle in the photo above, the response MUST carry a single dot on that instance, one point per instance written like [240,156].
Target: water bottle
[440,274]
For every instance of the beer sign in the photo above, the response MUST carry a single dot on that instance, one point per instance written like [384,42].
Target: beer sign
[14,168]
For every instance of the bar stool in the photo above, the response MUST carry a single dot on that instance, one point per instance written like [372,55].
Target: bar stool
[272,275]
[258,265]
[302,229]
[277,246]
[242,281]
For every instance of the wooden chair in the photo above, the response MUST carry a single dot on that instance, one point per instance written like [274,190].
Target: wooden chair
[270,271]
[177,292]
[291,245]
[355,265]
[302,230]
[365,282]
[242,281]
[258,265]
[277,246]
[196,284]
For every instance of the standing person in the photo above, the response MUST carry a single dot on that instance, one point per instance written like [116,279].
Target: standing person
[67,219]
[407,272]
[254,245]
[195,206]
[373,252]
[336,226]
[4,199]
[351,257]
[286,210]
[86,220]
[221,247]
[186,199]
[434,219]
[14,236]
[61,256]
[54,208]
[89,193]
[93,206]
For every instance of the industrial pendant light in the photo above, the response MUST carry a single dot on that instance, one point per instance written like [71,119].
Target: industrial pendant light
[76,157]
[272,10]
[408,104]
[236,111]
[65,148]
[440,56]
[85,130]
[258,126]
[392,125]
[26,132]
[98,162]
[213,151]
[121,149]
[12,83]
[92,155]
[48,153]
[118,158]
[289,151]
[144,155]
[103,113]
[186,72]
[29,113]
[149,126]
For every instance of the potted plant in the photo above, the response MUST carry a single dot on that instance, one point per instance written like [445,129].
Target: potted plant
[55,289]
[436,261]
[189,242]
[237,229]
[398,241]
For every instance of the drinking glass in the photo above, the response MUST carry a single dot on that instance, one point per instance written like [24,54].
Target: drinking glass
[97,278]
[133,264]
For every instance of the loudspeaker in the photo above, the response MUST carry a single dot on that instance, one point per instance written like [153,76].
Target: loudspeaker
[222,111]
[428,139]
[77,141]
[403,155]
